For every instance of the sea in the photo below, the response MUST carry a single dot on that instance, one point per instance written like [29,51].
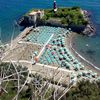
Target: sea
[12,10]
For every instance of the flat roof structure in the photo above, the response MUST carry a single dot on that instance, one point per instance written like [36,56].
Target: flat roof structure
[34,12]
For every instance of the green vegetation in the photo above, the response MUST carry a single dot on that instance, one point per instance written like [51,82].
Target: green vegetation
[85,91]
[68,16]
[11,88]
[24,95]
[10,84]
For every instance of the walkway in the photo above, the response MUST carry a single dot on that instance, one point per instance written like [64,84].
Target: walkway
[41,52]
[42,65]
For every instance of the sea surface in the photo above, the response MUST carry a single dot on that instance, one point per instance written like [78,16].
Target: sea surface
[11,10]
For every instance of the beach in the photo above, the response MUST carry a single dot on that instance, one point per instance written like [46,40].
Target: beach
[22,52]
[69,44]
[45,61]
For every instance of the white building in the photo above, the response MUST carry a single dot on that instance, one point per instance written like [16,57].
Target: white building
[34,16]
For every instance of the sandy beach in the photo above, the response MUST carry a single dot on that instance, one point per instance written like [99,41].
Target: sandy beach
[69,44]
[18,54]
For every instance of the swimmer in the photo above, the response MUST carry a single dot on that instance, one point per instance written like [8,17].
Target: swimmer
[87,45]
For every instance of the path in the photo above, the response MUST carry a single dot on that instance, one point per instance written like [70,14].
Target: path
[45,46]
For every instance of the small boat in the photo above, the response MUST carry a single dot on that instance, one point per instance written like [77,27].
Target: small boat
[87,45]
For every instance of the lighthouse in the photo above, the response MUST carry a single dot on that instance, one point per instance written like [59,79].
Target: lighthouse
[55,6]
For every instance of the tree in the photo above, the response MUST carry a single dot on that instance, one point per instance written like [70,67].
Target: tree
[84,90]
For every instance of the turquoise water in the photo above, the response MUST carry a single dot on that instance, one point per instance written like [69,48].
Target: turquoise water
[11,10]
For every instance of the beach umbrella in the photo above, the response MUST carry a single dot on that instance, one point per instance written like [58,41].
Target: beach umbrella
[55,48]
[52,53]
[64,57]
[58,44]
[84,73]
[67,66]
[65,52]
[90,71]
[72,76]
[78,76]
[76,67]
[98,78]
[35,52]
[75,62]
[59,38]
[48,46]
[53,41]
[63,64]
[60,57]
[93,75]
[69,56]
[81,67]
[67,60]
[59,50]
[64,49]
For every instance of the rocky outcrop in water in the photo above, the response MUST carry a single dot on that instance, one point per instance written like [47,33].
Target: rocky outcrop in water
[82,29]
[89,29]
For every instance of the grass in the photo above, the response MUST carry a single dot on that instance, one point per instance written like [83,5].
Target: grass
[68,16]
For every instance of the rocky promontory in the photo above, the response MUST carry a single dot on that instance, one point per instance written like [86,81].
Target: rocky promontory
[74,17]
[89,29]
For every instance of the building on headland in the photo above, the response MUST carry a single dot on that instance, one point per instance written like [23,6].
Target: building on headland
[35,16]
[31,18]
[55,6]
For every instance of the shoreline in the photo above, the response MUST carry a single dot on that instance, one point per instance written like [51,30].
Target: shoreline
[29,63]
[88,65]
[20,36]
[69,40]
